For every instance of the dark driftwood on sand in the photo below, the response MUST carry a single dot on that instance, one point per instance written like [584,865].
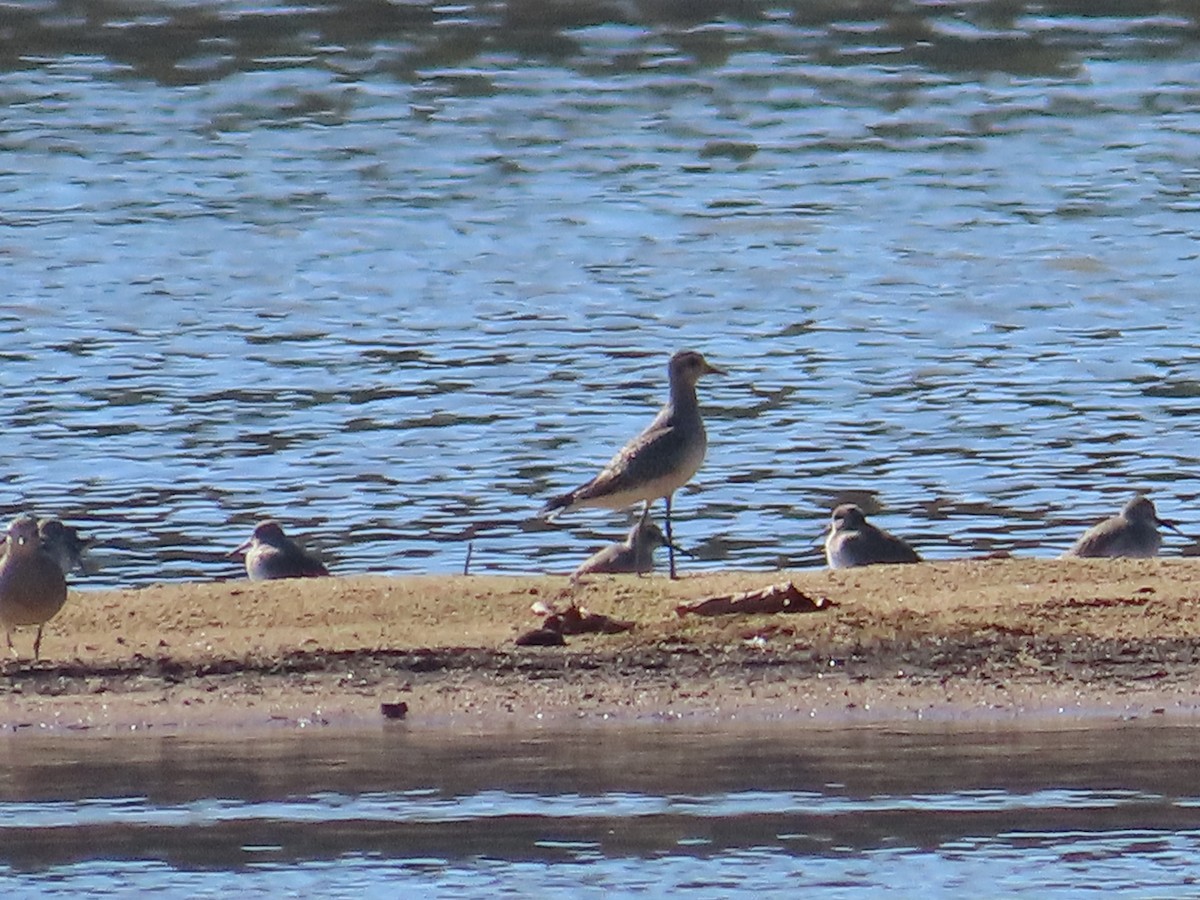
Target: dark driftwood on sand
[572,620]
[776,598]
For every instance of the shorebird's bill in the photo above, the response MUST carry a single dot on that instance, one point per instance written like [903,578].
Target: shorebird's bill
[1166,523]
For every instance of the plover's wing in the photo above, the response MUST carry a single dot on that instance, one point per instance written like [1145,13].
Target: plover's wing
[643,469]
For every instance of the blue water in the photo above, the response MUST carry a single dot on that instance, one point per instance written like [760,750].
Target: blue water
[395,274]
[658,810]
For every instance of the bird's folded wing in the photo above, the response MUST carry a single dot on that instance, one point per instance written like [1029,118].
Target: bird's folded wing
[650,456]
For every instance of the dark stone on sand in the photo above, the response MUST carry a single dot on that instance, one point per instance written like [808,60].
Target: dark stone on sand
[394,710]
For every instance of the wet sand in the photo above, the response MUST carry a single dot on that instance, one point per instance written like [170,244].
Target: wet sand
[1027,641]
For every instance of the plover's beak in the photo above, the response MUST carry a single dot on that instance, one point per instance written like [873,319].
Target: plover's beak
[710,369]
[1165,523]
[679,549]
[242,549]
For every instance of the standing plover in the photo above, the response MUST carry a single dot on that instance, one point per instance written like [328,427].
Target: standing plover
[32,586]
[661,459]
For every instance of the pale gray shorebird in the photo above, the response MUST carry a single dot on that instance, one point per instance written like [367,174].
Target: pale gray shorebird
[853,541]
[272,554]
[32,586]
[63,543]
[635,554]
[1131,533]
[660,460]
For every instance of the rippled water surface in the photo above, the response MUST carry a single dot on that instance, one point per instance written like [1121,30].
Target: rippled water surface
[394,273]
[712,812]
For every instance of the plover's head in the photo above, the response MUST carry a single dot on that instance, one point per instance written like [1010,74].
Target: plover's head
[52,530]
[688,366]
[55,531]
[847,517]
[22,533]
[647,533]
[269,532]
[265,532]
[1140,509]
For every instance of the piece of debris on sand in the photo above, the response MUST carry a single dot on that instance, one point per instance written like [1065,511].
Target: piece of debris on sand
[397,710]
[541,637]
[776,598]
[572,620]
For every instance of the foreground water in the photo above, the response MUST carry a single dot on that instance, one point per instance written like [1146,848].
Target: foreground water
[651,810]
[395,273]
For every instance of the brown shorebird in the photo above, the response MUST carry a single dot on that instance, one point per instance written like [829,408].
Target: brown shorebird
[853,541]
[635,554]
[32,586]
[272,554]
[660,460]
[63,543]
[1132,533]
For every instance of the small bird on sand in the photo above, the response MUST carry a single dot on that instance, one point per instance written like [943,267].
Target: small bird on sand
[661,459]
[635,554]
[63,543]
[853,541]
[32,586]
[272,554]
[1132,533]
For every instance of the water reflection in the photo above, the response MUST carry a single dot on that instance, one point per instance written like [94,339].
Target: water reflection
[628,805]
[179,45]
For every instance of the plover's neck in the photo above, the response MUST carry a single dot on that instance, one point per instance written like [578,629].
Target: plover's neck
[683,398]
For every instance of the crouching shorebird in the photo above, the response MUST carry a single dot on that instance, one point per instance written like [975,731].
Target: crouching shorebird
[32,586]
[853,541]
[272,554]
[660,460]
[1131,533]
[635,554]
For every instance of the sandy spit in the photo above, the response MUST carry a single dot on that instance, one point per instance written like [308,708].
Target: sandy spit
[1013,641]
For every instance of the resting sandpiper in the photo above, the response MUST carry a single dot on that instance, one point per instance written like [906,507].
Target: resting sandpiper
[272,554]
[635,554]
[661,459]
[853,541]
[32,586]
[1132,533]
